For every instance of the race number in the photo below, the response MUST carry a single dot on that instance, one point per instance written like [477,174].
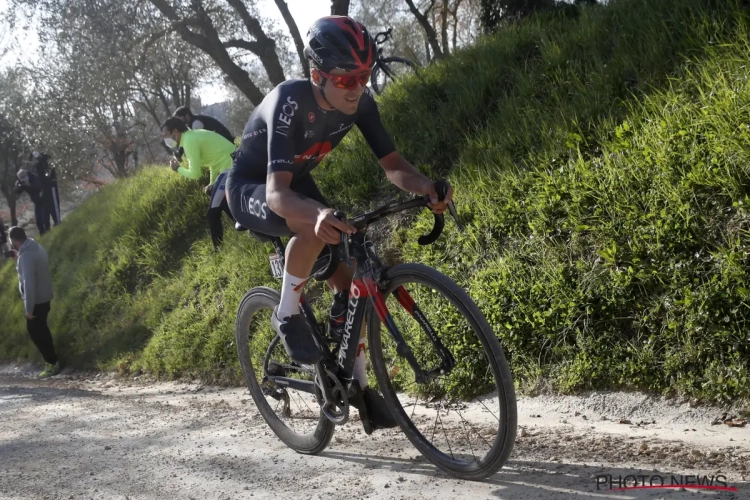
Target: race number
[277,265]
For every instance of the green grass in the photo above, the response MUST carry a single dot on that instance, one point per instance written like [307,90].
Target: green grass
[600,162]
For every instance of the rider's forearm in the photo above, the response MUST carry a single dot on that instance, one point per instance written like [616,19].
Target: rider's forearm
[293,206]
[406,176]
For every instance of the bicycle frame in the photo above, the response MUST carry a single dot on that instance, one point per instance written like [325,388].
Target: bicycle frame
[366,284]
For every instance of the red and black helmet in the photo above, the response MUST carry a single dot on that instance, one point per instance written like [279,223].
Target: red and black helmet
[340,42]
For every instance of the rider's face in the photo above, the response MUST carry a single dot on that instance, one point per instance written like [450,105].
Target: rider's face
[173,134]
[344,100]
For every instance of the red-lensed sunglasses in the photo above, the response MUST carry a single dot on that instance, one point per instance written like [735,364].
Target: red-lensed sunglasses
[348,81]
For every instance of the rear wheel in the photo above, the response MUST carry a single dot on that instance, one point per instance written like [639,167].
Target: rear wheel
[293,415]
[390,69]
[465,420]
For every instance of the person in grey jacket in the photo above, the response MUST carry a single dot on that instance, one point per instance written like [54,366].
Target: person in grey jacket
[35,284]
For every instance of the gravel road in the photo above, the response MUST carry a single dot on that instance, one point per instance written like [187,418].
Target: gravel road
[81,436]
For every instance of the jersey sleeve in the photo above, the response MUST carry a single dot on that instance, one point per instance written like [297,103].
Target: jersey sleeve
[282,119]
[193,156]
[368,122]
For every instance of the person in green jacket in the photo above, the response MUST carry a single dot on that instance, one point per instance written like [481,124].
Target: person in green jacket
[203,149]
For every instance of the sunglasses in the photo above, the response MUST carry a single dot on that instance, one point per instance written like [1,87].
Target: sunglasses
[348,81]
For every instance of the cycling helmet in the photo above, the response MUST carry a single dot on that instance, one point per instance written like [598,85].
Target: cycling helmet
[339,42]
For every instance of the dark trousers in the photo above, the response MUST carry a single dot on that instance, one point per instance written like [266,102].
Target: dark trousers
[42,216]
[216,206]
[40,334]
[52,205]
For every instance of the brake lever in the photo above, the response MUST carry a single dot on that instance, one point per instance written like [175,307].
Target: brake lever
[441,187]
[344,244]
[454,214]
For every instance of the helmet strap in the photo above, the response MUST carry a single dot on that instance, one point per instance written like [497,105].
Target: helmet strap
[321,89]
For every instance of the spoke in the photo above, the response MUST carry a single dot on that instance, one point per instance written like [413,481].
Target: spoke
[490,411]
[445,433]
[498,397]
[308,406]
[434,426]
[469,436]
[472,428]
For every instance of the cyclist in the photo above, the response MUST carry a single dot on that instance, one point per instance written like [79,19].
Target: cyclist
[203,148]
[206,122]
[271,191]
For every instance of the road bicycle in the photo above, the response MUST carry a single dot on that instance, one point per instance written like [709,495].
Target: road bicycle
[388,69]
[439,365]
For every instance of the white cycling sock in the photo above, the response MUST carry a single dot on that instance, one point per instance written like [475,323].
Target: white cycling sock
[360,362]
[290,294]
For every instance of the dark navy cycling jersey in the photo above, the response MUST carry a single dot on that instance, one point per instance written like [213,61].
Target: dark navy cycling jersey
[289,132]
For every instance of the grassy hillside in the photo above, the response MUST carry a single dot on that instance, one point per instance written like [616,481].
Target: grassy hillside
[600,161]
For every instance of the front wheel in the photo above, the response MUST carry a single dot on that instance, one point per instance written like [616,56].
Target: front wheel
[293,415]
[390,69]
[464,420]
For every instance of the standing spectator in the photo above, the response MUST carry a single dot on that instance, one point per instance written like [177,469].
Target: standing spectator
[30,182]
[206,122]
[35,284]
[48,180]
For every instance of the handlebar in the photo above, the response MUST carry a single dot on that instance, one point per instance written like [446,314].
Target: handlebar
[363,220]
[383,36]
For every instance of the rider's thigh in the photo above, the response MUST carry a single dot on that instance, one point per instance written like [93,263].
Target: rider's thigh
[247,202]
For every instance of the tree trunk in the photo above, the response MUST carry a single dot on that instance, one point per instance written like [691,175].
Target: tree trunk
[300,46]
[428,29]
[339,7]
[444,27]
[10,198]
[454,14]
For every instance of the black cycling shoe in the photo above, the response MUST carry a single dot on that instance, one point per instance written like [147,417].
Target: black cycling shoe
[297,337]
[375,411]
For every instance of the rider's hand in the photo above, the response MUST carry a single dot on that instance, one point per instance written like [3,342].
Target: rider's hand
[207,189]
[328,228]
[438,207]
[29,316]
[174,164]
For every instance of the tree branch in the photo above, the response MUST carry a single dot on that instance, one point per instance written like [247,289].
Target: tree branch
[339,7]
[267,46]
[294,31]
[425,23]
[235,43]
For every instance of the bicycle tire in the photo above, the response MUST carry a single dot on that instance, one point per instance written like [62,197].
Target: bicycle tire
[397,66]
[504,440]
[310,443]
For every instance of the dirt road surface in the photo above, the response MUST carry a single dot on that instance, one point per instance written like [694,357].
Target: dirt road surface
[88,436]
